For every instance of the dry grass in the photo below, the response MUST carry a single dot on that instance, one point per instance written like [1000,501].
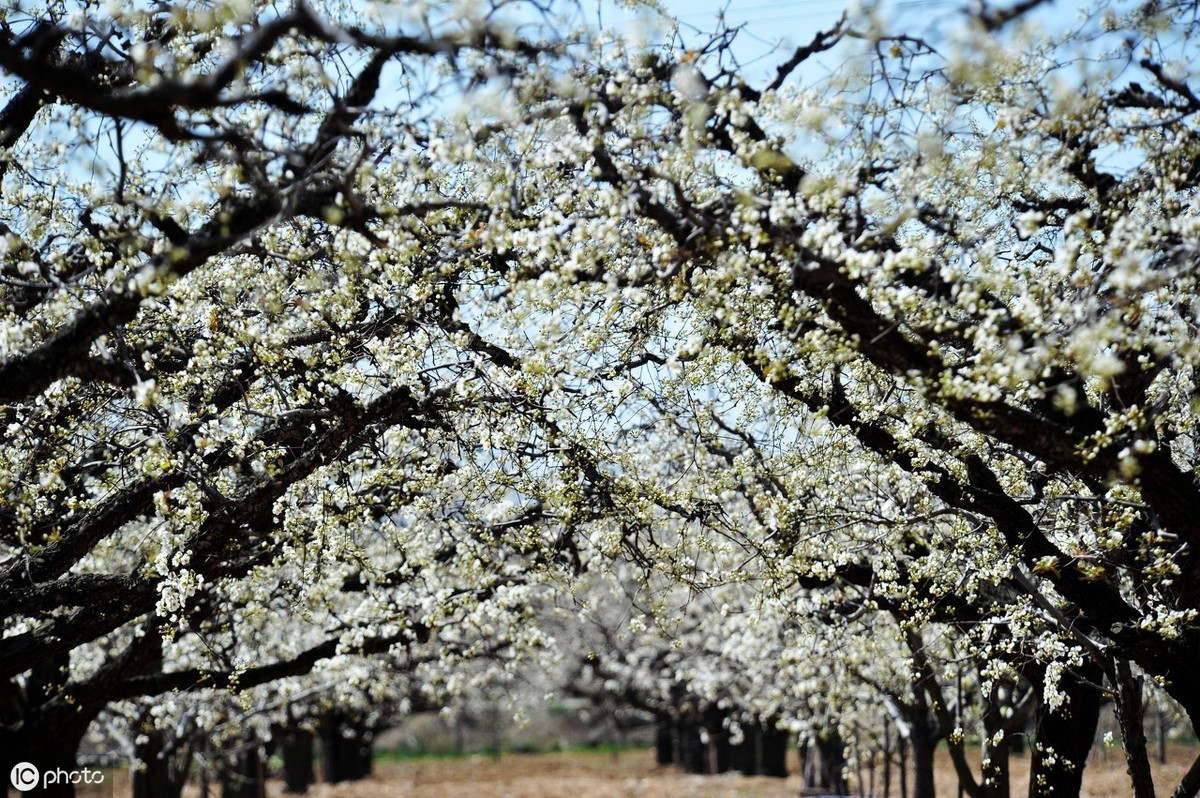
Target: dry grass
[633,774]
[1104,776]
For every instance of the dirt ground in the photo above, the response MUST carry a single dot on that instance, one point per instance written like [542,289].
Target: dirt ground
[633,774]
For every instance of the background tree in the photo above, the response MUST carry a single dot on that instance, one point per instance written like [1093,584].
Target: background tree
[384,323]
[241,437]
[959,290]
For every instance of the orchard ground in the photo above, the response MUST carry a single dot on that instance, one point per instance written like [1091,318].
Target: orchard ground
[633,774]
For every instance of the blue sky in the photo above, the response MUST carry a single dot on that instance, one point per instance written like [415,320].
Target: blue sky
[772,29]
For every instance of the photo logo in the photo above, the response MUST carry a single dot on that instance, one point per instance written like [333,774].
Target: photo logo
[24,776]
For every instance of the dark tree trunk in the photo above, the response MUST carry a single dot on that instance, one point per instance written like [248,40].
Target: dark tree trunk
[1189,785]
[773,751]
[53,760]
[158,774]
[1001,735]
[833,762]
[693,755]
[43,724]
[808,764]
[40,731]
[296,748]
[887,759]
[1018,728]
[664,741]
[1161,731]
[923,742]
[1133,733]
[345,750]
[1064,736]
[47,679]
[745,755]
[49,742]
[822,759]
[762,752]
[994,778]
[247,778]
[718,751]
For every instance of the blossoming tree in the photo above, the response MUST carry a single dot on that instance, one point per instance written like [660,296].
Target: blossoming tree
[336,331]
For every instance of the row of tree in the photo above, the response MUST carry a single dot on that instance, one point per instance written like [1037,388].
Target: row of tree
[347,353]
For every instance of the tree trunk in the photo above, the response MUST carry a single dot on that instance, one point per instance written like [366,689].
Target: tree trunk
[157,774]
[345,750]
[1161,729]
[1064,736]
[247,778]
[833,762]
[773,761]
[718,751]
[808,764]
[48,742]
[52,761]
[44,737]
[664,742]
[692,756]
[887,759]
[994,778]
[746,757]
[1189,785]
[296,748]
[923,741]
[1000,737]
[861,782]
[762,752]
[1133,732]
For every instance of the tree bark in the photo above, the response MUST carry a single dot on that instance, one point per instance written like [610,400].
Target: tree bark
[833,761]
[808,769]
[923,742]
[994,777]
[664,742]
[1161,730]
[887,759]
[718,750]
[157,774]
[46,736]
[1003,734]
[762,752]
[1133,733]
[1189,786]
[1064,735]
[297,753]
[774,751]
[345,750]
[50,746]
[247,779]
